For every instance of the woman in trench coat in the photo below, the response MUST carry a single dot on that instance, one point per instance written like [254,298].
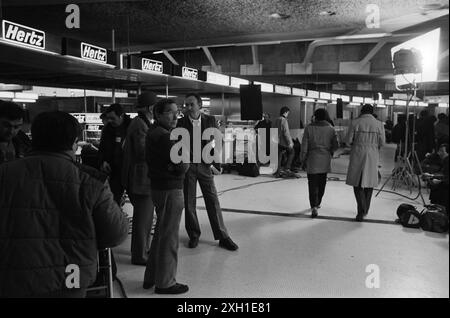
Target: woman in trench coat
[318,145]
[366,137]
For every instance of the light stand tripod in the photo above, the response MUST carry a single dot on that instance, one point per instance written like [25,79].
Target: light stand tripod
[404,172]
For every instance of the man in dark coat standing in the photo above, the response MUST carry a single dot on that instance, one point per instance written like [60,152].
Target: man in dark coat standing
[135,178]
[194,119]
[111,147]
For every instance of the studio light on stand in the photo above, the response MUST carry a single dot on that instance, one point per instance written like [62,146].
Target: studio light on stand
[414,61]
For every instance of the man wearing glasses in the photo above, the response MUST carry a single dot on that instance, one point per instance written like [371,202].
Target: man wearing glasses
[202,173]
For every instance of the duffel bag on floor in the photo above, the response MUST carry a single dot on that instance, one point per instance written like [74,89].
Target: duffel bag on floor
[434,219]
[409,216]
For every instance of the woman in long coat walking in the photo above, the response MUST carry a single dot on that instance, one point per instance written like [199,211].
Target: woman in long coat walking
[366,137]
[318,145]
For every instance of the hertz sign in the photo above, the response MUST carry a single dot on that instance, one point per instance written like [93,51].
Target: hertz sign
[88,52]
[190,73]
[152,66]
[23,35]
[93,53]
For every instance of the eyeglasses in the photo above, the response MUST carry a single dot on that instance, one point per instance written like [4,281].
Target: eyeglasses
[171,112]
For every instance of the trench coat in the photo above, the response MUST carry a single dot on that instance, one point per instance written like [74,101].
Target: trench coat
[366,137]
[318,144]
[135,177]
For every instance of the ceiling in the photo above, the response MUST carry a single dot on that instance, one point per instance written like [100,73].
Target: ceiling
[183,25]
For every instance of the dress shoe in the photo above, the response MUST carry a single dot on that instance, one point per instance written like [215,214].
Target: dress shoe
[193,243]
[175,289]
[359,218]
[228,244]
[147,285]
[314,212]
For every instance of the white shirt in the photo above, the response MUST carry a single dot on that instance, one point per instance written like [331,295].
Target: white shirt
[196,122]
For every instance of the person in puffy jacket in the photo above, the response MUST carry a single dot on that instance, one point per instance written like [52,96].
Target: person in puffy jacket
[54,216]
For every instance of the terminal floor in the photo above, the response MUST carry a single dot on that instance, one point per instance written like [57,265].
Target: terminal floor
[283,253]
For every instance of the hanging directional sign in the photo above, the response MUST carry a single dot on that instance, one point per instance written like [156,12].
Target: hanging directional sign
[148,65]
[88,52]
[189,73]
[23,35]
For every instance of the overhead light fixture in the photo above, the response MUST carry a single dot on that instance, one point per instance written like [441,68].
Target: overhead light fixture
[7,95]
[168,96]
[280,16]
[19,100]
[363,36]
[158,52]
[310,100]
[327,13]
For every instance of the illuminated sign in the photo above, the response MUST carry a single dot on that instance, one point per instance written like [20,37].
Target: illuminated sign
[237,82]
[265,87]
[88,52]
[298,92]
[217,78]
[326,96]
[357,99]
[400,102]
[335,96]
[189,73]
[345,98]
[368,100]
[152,66]
[282,90]
[389,102]
[23,35]
[80,117]
[312,94]
[93,53]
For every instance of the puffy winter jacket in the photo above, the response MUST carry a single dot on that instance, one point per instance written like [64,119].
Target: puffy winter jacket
[53,213]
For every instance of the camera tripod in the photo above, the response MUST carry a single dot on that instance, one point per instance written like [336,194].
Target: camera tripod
[404,172]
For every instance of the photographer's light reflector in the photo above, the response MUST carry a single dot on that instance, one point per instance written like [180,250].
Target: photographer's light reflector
[428,47]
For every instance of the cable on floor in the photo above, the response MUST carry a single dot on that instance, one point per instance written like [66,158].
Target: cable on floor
[122,289]
[335,179]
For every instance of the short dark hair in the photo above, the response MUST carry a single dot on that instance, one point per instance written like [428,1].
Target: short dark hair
[284,109]
[197,97]
[116,108]
[321,114]
[367,109]
[444,145]
[11,110]
[442,116]
[54,131]
[423,113]
[161,105]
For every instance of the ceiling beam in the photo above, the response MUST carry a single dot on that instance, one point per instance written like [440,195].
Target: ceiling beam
[209,56]
[255,55]
[170,57]
[371,54]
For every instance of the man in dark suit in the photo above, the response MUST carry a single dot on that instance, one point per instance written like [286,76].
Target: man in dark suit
[201,172]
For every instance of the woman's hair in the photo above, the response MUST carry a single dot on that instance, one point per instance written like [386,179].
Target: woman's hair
[367,109]
[321,114]
[283,110]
